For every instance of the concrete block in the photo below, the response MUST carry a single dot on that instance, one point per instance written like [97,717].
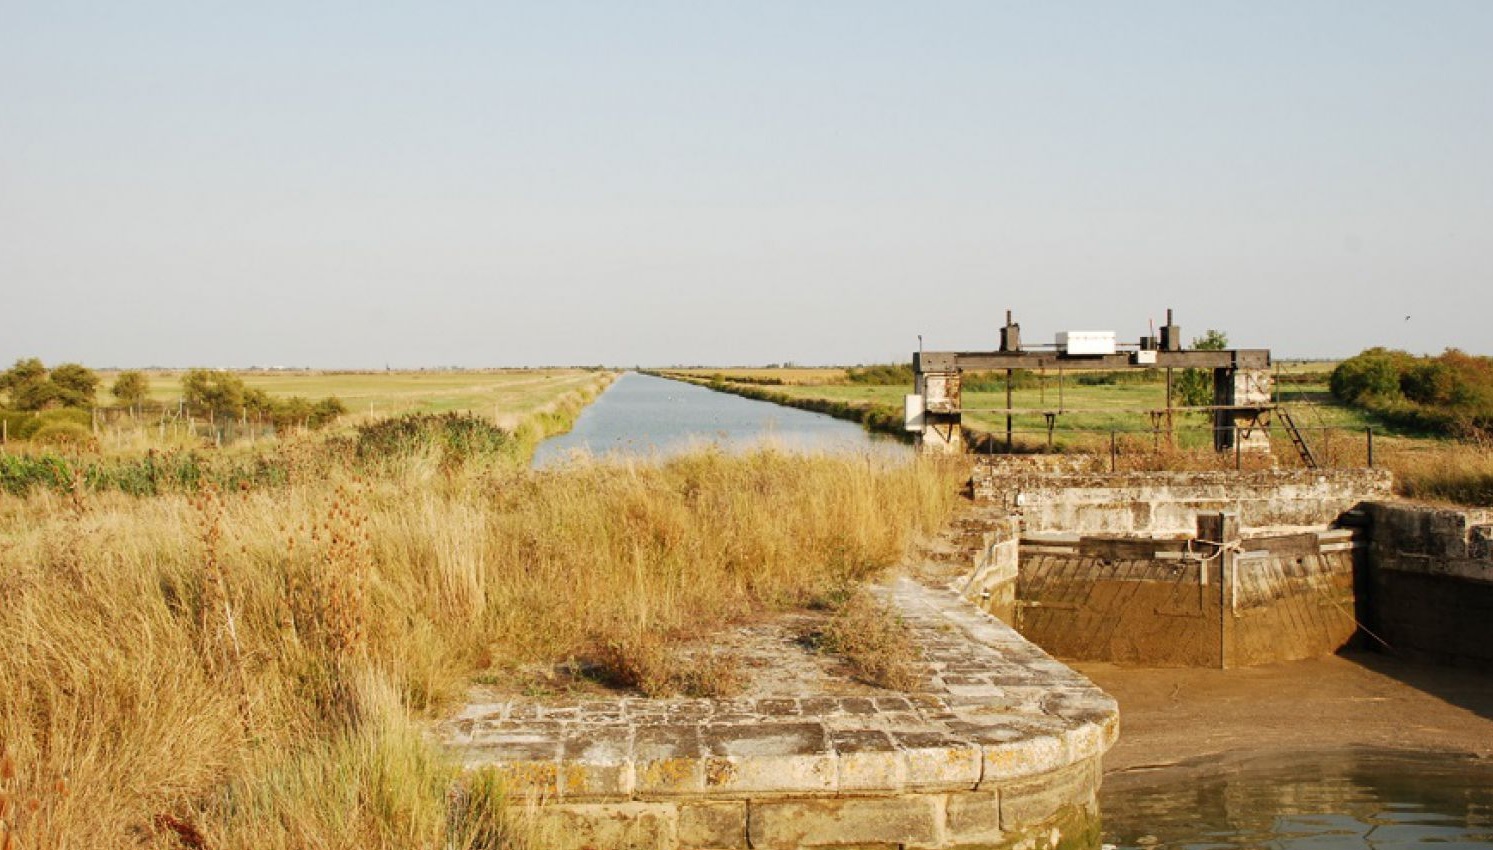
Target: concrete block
[713,826]
[597,763]
[1022,756]
[936,759]
[975,818]
[769,757]
[1038,798]
[792,824]
[668,760]
[612,826]
[867,761]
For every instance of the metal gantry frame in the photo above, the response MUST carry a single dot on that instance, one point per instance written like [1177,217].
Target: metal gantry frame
[1242,384]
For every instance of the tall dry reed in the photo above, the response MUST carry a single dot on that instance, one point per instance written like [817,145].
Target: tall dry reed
[254,669]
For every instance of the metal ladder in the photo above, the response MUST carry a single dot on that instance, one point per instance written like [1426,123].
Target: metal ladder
[1296,439]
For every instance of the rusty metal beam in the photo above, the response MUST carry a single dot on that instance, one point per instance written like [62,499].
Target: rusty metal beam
[985,361]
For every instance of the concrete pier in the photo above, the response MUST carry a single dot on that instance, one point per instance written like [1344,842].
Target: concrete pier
[999,745]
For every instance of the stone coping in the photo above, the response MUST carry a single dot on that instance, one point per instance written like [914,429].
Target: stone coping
[992,708]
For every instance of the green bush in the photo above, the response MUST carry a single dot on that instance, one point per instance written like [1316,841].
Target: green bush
[882,375]
[63,434]
[1373,375]
[1449,394]
[458,437]
[24,425]
[20,472]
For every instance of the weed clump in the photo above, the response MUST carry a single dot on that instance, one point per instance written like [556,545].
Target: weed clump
[873,640]
[457,437]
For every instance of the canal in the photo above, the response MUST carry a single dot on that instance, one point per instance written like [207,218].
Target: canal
[646,416]
[1334,800]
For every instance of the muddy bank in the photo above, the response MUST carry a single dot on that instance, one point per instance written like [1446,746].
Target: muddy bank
[1174,715]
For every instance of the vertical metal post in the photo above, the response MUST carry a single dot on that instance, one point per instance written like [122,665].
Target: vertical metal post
[1112,451]
[1369,433]
[1238,450]
[1009,441]
[1171,434]
[1327,446]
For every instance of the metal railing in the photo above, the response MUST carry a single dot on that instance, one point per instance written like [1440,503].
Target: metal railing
[1188,446]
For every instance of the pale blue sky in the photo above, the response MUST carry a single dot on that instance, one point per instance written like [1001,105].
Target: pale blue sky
[354,184]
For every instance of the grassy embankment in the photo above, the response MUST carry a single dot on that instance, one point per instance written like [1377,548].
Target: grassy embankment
[255,668]
[161,449]
[1426,466]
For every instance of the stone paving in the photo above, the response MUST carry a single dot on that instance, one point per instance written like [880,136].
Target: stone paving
[993,712]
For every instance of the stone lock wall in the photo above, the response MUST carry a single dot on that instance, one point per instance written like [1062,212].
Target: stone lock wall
[1183,603]
[1075,500]
[1430,588]
[998,746]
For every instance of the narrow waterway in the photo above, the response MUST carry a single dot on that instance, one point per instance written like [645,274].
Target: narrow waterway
[645,416]
[1310,801]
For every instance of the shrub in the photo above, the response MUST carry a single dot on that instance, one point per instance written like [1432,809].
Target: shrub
[131,388]
[458,437]
[32,387]
[76,384]
[1371,375]
[873,640]
[883,375]
[1450,394]
[69,434]
[1194,387]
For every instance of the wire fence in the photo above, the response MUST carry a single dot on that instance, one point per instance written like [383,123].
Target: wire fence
[1262,446]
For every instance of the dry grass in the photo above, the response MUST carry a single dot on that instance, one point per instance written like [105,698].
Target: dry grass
[1459,473]
[873,640]
[254,669]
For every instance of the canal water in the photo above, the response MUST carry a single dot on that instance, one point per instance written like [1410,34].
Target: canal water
[644,416]
[1309,801]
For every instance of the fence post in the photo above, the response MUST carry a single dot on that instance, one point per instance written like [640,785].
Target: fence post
[1369,432]
[1238,451]
[1112,461]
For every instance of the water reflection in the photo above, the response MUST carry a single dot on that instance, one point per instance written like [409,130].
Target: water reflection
[1336,801]
[640,415]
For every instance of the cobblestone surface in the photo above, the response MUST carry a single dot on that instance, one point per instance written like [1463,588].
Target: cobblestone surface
[992,708]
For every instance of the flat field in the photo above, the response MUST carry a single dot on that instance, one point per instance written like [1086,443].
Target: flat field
[1426,467]
[515,392]
[1080,408]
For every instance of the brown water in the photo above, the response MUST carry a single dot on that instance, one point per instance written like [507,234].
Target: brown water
[1323,801]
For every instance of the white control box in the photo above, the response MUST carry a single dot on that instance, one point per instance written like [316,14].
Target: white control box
[913,413]
[1086,342]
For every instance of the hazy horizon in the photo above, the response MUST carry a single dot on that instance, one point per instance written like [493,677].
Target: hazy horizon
[486,185]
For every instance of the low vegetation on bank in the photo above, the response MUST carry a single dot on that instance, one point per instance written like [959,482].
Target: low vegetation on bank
[232,663]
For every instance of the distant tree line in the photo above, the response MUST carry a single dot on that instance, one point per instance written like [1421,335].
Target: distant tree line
[37,398]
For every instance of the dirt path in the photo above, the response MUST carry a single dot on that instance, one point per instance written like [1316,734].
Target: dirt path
[1358,700]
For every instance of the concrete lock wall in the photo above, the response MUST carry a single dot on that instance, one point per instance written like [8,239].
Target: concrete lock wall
[1430,587]
[1076,501]
[1185,603]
